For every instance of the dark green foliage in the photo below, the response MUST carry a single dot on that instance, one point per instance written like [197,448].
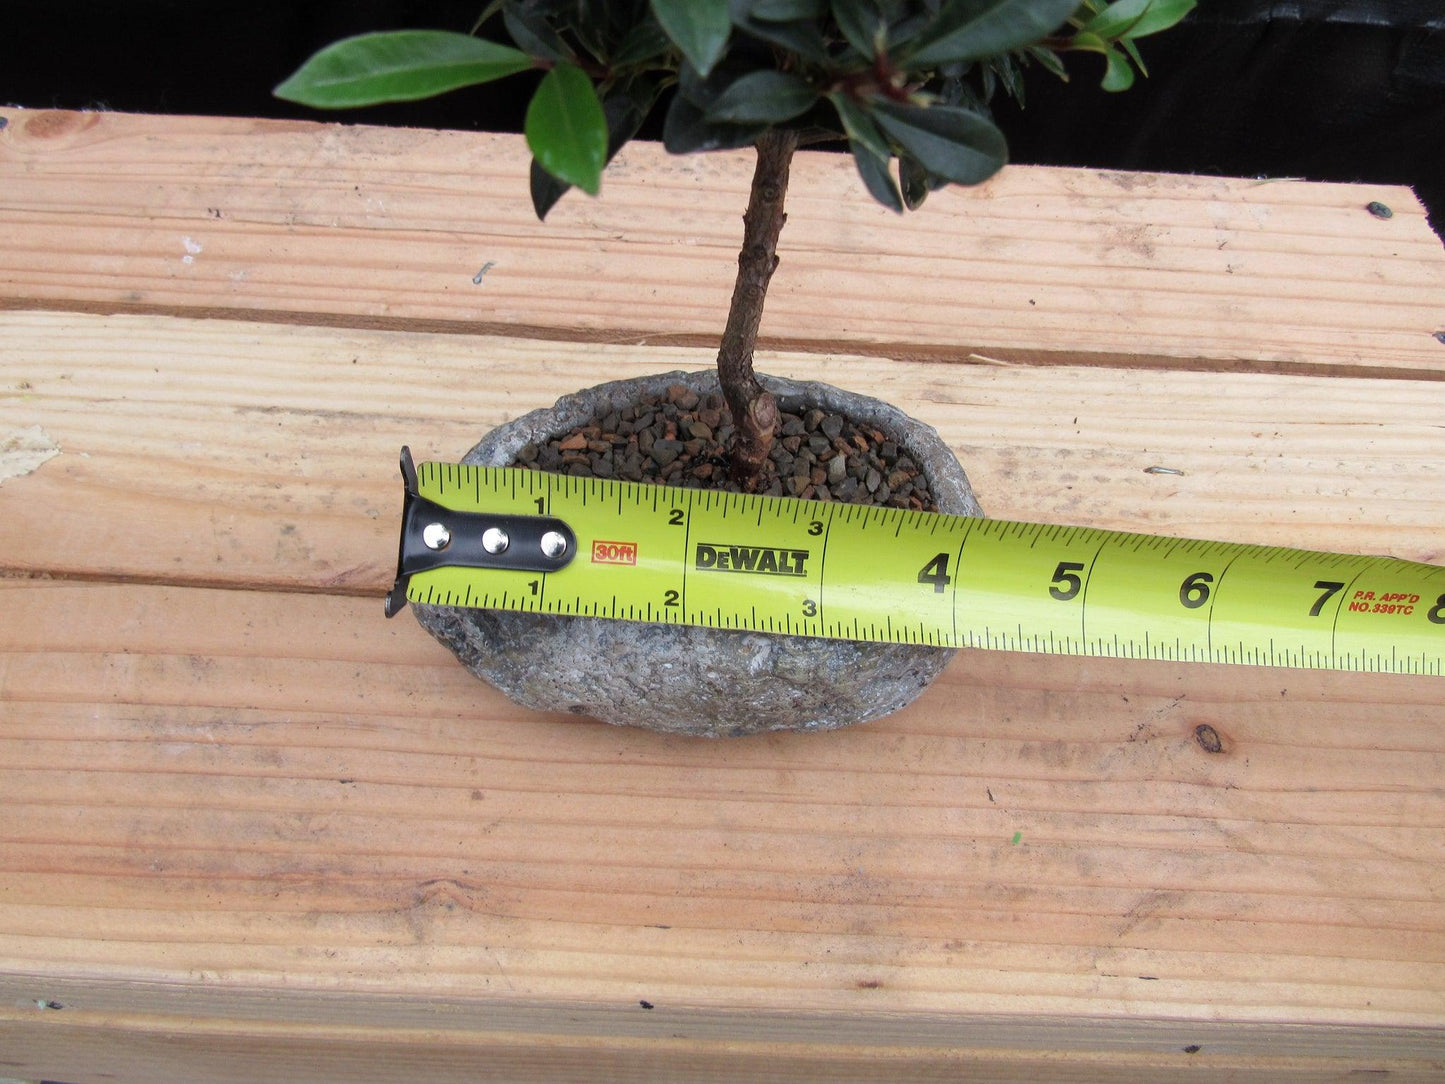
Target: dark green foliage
[767,97]
[567,129]
[896,79]
[398,67]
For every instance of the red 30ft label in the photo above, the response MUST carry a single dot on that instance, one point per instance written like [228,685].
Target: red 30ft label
[613,553]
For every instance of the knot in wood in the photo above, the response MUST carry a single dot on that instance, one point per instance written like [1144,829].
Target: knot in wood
[1208,738]
[764,413]
[770,191]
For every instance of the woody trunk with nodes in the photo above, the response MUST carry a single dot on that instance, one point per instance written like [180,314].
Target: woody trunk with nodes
[905,81]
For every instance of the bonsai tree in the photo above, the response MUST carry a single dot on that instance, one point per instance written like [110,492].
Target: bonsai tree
[905,81]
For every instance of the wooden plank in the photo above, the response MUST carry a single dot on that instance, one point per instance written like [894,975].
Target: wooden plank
[388,227]
[262,829]
[295,804]
[130,1046]
[217,452]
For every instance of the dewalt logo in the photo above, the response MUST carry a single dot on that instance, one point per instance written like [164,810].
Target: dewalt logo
[760,560]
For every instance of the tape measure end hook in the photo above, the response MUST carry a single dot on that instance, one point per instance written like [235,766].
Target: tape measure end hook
[396,597]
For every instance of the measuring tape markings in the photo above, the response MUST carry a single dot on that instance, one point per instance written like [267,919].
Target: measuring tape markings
[1137,596]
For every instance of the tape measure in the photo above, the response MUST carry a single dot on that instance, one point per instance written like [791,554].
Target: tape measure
[516,539]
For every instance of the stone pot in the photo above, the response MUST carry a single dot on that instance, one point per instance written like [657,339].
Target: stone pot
[681,679]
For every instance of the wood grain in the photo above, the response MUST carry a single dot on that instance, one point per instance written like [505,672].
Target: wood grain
[295,795]
[388,227]
[249,828]
[226,453]
[132,1046]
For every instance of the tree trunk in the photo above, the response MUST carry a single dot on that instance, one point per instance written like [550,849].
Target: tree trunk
[755,412]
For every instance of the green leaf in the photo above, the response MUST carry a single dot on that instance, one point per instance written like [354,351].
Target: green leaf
[398,66]
[1138,18]
[861,23]
[916,182]
[533,34]
[566,128]
[859,125]
[625,111]
[1049,60]
[1133,51]
[1088,42]
[801,36]
[586,26]
[765,97]
[1119,75]
[700,28]
[1010,75]
[703,92]
[972,29]
[686,129]
[493,6]
[643,42]
[956,144]
[876,178]
[783,11]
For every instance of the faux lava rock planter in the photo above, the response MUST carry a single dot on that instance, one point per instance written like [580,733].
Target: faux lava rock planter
[684,679]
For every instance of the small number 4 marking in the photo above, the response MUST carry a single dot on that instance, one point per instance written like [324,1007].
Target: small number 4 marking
[936,573]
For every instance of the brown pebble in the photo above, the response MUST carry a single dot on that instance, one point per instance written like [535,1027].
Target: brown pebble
[809,458]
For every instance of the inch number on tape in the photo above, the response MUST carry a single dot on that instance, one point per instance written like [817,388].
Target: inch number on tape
[635,552]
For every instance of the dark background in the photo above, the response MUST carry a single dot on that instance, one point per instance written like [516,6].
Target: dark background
[1347,90]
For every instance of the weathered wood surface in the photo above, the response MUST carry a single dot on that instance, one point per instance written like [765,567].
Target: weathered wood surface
[228,453]
[246,789]
[385,227]
[247,828]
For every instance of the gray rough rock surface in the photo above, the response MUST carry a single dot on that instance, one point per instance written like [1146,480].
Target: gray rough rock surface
[686,680]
